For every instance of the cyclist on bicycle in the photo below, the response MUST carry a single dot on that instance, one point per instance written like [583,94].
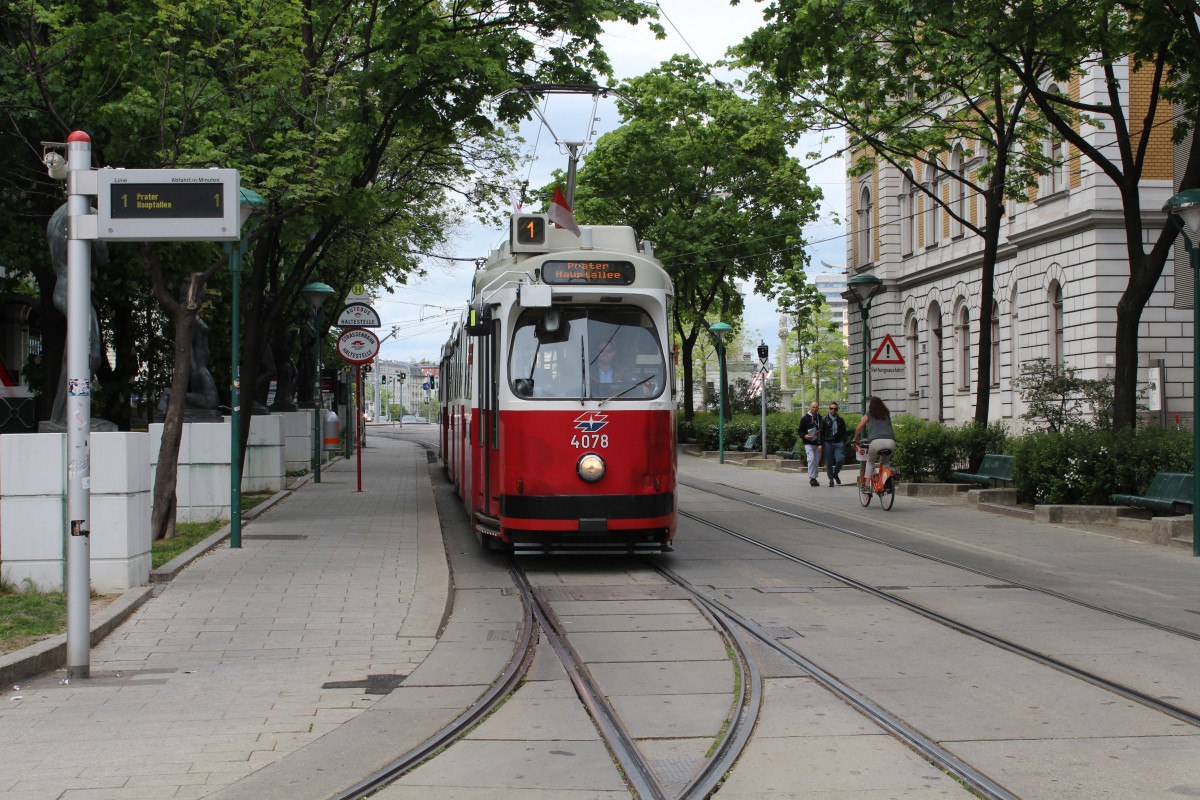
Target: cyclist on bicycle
[878,422]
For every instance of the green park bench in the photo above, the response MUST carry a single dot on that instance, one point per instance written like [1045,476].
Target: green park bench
[751,444]
[995,470]
[1170,492]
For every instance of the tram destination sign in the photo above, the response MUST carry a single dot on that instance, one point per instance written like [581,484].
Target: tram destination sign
[146,205]
[595,273]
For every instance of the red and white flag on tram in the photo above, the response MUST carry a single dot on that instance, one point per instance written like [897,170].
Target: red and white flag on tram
[560,212]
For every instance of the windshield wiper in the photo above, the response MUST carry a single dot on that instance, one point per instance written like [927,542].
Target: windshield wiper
[626,391]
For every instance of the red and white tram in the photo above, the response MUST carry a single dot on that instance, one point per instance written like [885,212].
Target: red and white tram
[558,407]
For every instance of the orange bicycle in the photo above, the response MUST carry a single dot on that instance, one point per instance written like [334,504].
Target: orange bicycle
[884,482]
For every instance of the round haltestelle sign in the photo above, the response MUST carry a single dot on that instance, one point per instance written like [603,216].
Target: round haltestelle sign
[358,346]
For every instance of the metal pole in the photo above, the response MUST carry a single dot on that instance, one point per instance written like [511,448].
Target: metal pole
[359,386]
[1194,257]
[763,395]
[235,414]
[866,365]
[721,402]
[318,404]
[79,414]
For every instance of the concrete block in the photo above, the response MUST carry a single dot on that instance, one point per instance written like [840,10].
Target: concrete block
[297,440]
[208,442]
[119,462]
[32,463]
[32,527]
[120,541]
[43,576]
[1164,529]
[1101,515]
[994,496]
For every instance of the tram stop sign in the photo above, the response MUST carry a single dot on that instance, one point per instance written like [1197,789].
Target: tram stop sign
[358,346]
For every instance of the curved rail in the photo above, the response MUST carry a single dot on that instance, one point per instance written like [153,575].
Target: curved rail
[641,776]
[1178,712]
[504,686]
[928,748]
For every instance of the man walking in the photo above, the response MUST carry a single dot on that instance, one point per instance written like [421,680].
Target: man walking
[810,434]
[833,438]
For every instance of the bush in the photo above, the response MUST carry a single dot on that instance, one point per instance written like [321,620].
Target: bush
[1086,467]
[781,429]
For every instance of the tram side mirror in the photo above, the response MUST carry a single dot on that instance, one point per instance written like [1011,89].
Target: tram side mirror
[479,320]
[552,327]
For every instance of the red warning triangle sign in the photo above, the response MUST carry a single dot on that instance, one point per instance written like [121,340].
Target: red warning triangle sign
[888,353]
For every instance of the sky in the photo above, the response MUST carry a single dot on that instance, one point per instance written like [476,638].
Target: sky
[424,309]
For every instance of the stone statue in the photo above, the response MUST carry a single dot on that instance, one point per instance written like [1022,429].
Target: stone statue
[285,370]
[308,362]
[200,402]
[56,236]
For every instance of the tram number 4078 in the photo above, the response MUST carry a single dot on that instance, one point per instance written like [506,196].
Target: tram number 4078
[585,440]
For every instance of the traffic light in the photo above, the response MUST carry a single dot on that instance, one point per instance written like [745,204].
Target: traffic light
[762,353]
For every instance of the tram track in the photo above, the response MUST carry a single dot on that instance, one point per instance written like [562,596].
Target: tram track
[542,626]
[1170,709]
[914,739]
[1066,598]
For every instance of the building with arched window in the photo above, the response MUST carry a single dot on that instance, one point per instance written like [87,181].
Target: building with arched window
[1061,269]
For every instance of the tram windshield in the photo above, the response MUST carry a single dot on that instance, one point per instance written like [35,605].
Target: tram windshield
[582,352]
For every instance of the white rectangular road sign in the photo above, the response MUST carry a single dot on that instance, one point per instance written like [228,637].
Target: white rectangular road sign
[154,205]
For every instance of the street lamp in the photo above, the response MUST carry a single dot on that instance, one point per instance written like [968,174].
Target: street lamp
[865,287]
[250,201]
[316,294]
[719,331]
[1184,209]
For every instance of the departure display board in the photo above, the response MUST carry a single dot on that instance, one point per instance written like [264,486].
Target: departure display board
[167,200]
[147,205]
[591,273]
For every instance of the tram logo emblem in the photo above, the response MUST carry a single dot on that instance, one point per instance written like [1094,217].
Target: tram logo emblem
[591,422]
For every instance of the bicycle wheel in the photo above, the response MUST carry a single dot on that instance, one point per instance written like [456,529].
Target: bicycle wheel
[863,497]
[888,495]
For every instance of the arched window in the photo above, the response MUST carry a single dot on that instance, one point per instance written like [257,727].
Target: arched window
[1056,155]
[864,227]
[1056,323]
[959,191]
[935,361]
[907,239]
[912,343]
[1014,333]
[995,344]
[962,334]
[933,219]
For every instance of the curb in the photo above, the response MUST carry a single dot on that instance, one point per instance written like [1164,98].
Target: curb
[167,572]
[51,654]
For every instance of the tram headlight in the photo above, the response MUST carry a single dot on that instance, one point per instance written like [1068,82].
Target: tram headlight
[590,467]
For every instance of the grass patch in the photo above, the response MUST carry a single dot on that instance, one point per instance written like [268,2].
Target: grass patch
[188,534]
[31,614]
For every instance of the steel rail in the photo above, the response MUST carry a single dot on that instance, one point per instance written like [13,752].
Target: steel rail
[947,562]
[620,743]
[1178,712]
[514,671]
[914,739]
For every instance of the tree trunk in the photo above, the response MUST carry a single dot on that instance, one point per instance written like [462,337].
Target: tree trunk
[162,516]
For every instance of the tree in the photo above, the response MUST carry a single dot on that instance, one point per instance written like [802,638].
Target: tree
[899,79]
[705,174]
[1154,41]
